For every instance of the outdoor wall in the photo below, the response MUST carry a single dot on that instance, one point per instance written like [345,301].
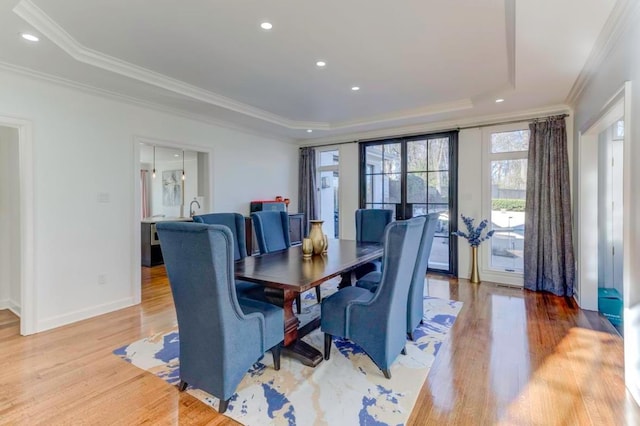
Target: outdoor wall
[84,179]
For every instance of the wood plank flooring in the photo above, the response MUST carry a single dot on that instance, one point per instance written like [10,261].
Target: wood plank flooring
[513,358]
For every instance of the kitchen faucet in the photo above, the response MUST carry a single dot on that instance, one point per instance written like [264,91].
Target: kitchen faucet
[191,211]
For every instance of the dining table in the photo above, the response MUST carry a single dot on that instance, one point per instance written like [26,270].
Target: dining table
[286,273]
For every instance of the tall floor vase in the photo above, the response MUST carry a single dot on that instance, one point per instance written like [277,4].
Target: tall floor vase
[475,275]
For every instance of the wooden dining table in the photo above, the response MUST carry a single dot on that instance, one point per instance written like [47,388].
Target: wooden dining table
[285,273]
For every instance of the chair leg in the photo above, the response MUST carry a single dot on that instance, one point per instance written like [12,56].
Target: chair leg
[411,337]
[298,303]
[386,373]
[275,352]
[224,404]
[182,386]
[404,351]
[327,346]
[318,295]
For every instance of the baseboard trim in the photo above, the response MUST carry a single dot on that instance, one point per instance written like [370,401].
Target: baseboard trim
[10,305]
[82,314]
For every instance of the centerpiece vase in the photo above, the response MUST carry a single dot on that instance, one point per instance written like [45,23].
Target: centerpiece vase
[317,236]
[475,275]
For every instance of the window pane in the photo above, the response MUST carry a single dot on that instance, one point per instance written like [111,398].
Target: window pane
[417,156]
[416,188]
[391,188]
[438,190]
[508,193]
[391,156]
[439,258]
[373,157]
[439,154]
[510,141]
[442,227]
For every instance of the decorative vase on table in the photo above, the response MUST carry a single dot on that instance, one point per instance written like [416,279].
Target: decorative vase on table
[317,236]
[307,248]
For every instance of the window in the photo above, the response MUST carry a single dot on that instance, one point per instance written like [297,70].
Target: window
[327,180]
[507,149]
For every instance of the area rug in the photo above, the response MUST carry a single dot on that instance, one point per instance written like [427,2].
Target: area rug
[347,389]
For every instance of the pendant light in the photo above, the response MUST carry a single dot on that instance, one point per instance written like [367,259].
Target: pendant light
[183,164]
[154,162]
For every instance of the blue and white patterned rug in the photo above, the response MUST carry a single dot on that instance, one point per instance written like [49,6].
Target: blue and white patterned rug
[347,389]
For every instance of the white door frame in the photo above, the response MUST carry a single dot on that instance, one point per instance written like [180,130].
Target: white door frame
[587,293]
[28,304]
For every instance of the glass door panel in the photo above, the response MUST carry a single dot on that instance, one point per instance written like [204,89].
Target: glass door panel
[413,177]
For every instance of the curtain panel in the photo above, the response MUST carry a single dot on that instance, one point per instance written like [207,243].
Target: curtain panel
[307,192]
[548,244]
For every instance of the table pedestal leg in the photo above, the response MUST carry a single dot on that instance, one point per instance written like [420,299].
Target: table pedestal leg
[293,346]
[345,280]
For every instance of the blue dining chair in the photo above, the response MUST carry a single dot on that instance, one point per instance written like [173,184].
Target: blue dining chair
[272,234]
[377,321]
[370,226]
[415,303]
[221,335]
[235,223]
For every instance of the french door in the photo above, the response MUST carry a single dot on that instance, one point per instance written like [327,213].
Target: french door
[414,176]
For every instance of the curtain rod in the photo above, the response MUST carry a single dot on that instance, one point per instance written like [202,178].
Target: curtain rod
[499,123]
[328,144]
[512,121]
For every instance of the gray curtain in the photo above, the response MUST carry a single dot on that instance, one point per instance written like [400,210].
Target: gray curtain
[307,189]
[548,245]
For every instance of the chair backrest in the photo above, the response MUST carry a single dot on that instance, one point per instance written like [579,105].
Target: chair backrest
[371,223]
[212,326]
[416,293]
[388,307]
[272,230]
[235,222]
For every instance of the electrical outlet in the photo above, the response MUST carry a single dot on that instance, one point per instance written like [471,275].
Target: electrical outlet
[103,197]
[102,279]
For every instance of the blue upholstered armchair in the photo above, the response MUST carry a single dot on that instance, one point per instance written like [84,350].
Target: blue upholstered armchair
[370,225]
[377,321]
[272,233]
[415,307]
[221,335]
[235,223]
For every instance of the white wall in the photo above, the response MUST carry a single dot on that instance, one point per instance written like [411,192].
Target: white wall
[84,149]
[9,221]
[621,64]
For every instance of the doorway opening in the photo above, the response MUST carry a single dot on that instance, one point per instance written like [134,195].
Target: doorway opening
[17,292]
[415,176]
[172,183]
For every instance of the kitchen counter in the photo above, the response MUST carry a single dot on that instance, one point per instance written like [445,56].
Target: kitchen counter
[157,219]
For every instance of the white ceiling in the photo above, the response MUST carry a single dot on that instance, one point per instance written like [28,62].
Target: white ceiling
[416,61]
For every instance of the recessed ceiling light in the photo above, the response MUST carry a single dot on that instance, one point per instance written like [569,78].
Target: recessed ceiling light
[499,100]
[309,130]
[321,64]
[266,25]
[355,88]
[176,155]
[29,37]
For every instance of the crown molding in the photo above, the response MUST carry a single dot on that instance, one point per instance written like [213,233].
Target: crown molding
[439,126]
[119,97]
[454,106]
[36,17]
[621,18]
[54,32]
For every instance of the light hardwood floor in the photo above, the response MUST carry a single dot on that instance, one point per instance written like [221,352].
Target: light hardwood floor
[513,357]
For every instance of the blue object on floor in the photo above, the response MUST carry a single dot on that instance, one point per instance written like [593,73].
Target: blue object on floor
[610,304]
